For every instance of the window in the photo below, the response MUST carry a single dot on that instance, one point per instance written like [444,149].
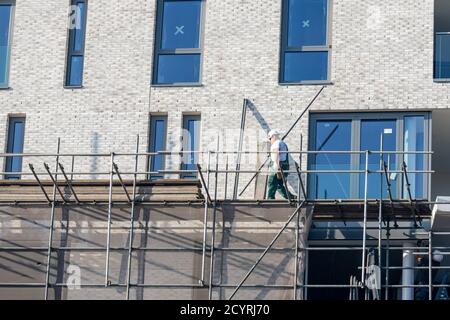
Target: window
[305,49]
[332,135]
[191,144]
[158,134]
[374,132]
[442,40]
[76,42]
[178,42]
[16,131]
[6,16]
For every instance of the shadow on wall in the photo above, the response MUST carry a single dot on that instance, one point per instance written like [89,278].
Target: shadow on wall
[94,149]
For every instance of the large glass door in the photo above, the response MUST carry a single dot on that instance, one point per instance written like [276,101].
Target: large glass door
[402,136]
[332,136]
[414,142]
[378,135]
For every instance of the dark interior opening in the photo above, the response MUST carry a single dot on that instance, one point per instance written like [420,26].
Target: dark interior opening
[335,267]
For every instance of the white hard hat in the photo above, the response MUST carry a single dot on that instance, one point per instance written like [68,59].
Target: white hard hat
[437,256]
[273,133]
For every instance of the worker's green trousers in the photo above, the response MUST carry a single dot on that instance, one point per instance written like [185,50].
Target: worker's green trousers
[277,184]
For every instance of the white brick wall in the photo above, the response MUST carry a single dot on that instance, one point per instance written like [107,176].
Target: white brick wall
[382,58]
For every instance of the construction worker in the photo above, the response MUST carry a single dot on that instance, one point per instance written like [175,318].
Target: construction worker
[278,159]
[423,275]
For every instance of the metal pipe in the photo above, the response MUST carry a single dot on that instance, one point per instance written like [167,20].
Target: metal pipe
[380,209]
[300,182]
[69,183]
[118,154]
[55,183]
[205,228]
[213,235]
[306,276]
[116,168]
[366,190]
[39,182]
[408,188]
[296,251]
[240,146]
[430,266]
[386,293]
[108,237]
[130,240]
[297,226]
[101,173]
[208,169]
[202,179]
[288,193]
[180,285]
[226,179]
[72,167]
[52,222]
[408,274]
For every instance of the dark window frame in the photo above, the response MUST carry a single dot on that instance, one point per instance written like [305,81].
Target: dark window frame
[436,62]
[284,47]
[10,145]
[177,51]
[151,145]
[70,47]
[356,118]
[12,3]
[439,30]
[186,118]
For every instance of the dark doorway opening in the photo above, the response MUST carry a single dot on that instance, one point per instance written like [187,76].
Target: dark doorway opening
[335,267]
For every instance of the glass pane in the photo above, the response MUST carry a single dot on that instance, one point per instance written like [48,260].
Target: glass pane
[191,140]
[79,30]
[442,58]
[307,25]
[182,68]
[5,16]
[15,145]
[76,71]
[158,144]
[304,66]
[181,24]
[331,136]
[372,132]
[414,140]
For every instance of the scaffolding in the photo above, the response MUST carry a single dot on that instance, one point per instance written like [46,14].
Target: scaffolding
[305,211]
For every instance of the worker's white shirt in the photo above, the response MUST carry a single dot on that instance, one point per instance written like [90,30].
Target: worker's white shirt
[278,151]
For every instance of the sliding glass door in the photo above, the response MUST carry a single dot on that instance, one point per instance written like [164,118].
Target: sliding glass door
[333,134]
[377,135]
[330,136]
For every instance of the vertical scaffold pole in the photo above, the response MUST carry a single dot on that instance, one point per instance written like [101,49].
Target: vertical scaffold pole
[366,185]
[52,222]
[240,146]
[72,167]
[205,228]
[130,240]
[297,226]
[108,236]
[388,234]
[430,266]
[226,179]
[208,173]
[380,211]
[213,233]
